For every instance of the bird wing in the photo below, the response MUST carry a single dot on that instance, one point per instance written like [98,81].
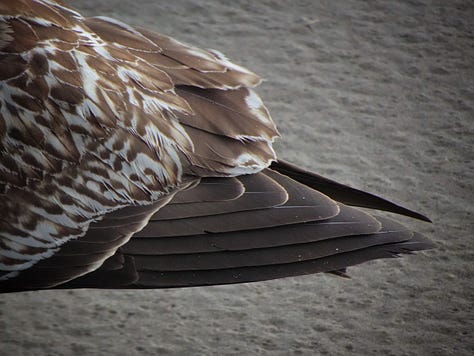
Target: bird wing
[126,155]
[223,231]
[96,116]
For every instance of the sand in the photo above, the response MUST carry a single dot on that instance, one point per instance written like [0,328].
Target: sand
[376,94]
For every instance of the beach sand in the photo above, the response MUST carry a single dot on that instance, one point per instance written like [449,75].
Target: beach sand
[376,94]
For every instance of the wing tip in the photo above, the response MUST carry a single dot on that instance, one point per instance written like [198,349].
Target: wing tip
[343,193]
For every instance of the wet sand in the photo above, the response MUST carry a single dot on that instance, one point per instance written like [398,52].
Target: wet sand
[376,94]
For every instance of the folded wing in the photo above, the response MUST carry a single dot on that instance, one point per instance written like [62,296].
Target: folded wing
[131,160]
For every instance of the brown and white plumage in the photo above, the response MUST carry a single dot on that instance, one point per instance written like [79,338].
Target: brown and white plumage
[131,160]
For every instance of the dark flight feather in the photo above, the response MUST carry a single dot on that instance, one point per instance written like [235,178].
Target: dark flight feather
[341,192]
[260,191]
[152,279]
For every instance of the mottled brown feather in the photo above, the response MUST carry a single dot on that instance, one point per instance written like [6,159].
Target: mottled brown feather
[225,113]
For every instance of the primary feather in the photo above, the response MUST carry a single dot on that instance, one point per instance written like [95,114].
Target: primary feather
[131,160]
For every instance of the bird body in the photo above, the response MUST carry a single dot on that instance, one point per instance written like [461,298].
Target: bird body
[131,160]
